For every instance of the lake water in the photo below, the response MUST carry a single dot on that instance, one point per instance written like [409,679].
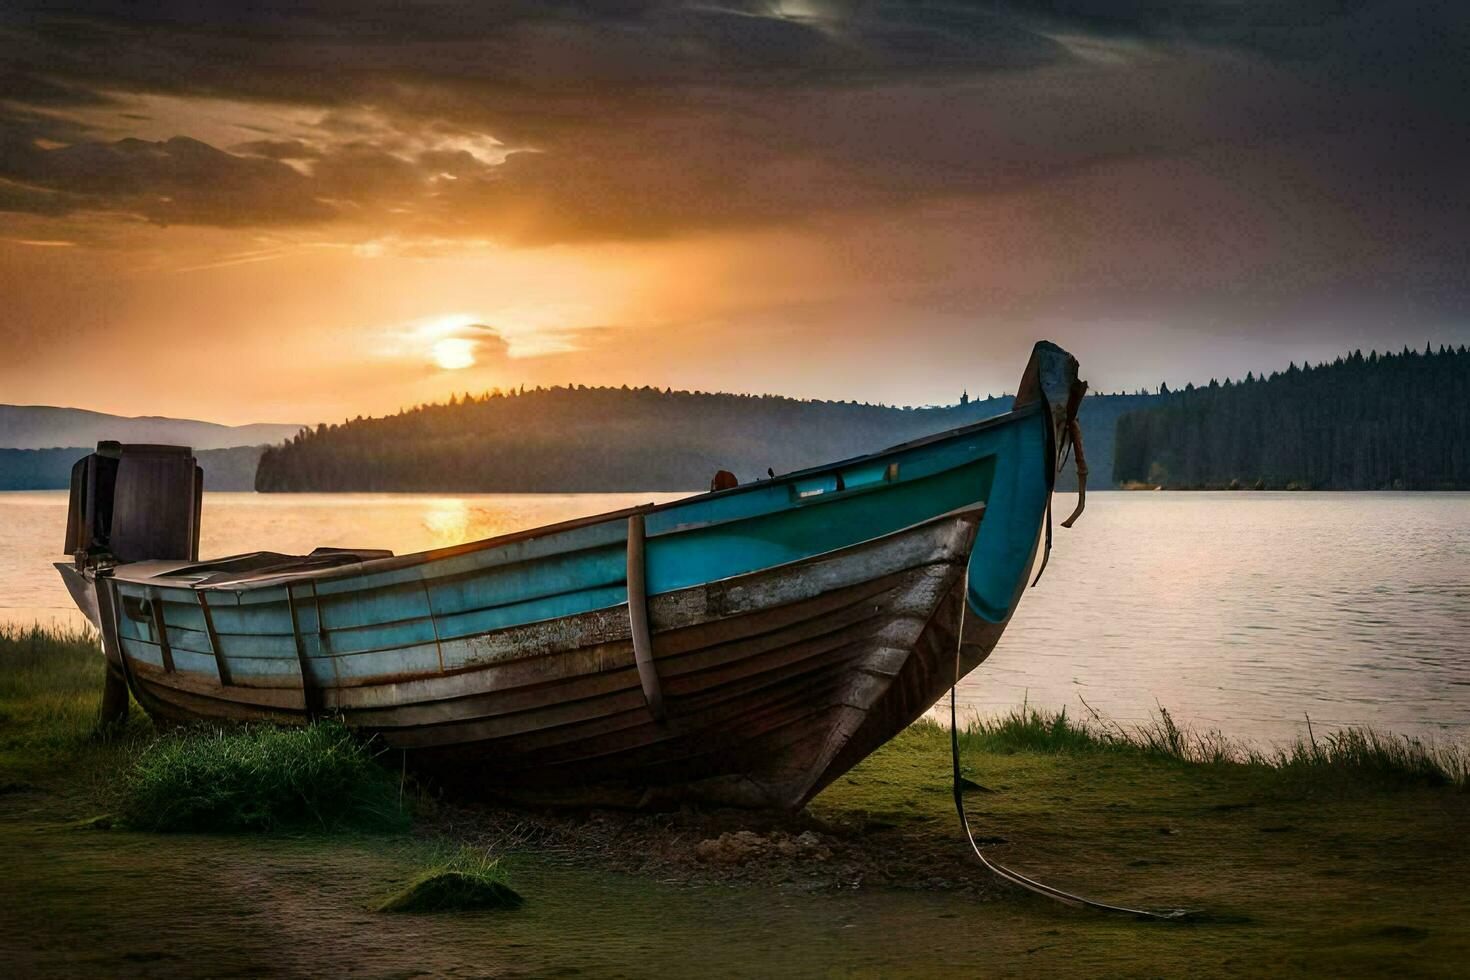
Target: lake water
[1245,612]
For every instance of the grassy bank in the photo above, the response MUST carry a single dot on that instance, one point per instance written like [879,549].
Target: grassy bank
[1351,755]
[1341,854]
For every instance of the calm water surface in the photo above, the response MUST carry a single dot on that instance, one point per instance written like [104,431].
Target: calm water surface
[1244,612]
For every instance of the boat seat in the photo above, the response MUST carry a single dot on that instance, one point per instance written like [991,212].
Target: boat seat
[266,564]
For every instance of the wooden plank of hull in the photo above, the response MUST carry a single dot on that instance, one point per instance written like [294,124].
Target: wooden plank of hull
[171,703]
[234,702]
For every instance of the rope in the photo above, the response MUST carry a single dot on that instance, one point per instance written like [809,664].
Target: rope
[1046,552]
[1070,439]
[1075,428]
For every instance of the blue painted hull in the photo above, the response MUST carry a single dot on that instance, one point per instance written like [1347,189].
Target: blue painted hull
[773,633]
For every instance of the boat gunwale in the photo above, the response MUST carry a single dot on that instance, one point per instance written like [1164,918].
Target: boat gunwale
[397,562]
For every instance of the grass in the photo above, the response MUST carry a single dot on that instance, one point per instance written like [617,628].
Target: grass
[456,878]
[261,778]
[1349,754]
[50,678]
[1369,754]
[50,692]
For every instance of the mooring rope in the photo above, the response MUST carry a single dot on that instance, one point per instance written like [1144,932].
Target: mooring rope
[1075,428]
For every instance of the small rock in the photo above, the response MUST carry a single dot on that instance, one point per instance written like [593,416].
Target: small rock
[811,846]
[731,848]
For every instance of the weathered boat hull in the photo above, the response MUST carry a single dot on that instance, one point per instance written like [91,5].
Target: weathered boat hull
[746,646]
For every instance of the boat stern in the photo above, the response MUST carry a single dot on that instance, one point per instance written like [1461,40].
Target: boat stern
[129,503]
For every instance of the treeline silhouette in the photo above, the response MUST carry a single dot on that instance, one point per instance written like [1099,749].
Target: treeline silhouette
[1381,421]
[576,438]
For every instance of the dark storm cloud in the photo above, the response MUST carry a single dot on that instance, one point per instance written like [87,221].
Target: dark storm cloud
[177,181]
[647,119]
[36,90]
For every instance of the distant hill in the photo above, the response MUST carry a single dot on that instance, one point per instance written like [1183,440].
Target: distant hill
[50,469]
[45,427]
[603,439]
[1385,421]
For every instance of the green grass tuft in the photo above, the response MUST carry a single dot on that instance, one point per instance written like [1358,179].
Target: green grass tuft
[1025,729]
[1379,757]
[261,778]
[465,878]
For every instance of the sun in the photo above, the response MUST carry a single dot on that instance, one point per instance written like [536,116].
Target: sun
[454,353]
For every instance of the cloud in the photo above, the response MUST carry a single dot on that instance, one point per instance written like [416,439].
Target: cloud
[484,342]
[277,149]
[177,181]
[37,90]
[544,123]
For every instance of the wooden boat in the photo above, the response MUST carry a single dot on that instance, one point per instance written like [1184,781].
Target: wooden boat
[745,646]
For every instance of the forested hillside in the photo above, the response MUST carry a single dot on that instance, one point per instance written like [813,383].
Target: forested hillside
[1384,421]
[590,439]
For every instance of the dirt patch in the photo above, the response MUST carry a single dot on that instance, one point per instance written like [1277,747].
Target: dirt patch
[725,846]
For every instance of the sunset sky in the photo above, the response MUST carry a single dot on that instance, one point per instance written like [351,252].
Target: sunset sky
[304,211]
